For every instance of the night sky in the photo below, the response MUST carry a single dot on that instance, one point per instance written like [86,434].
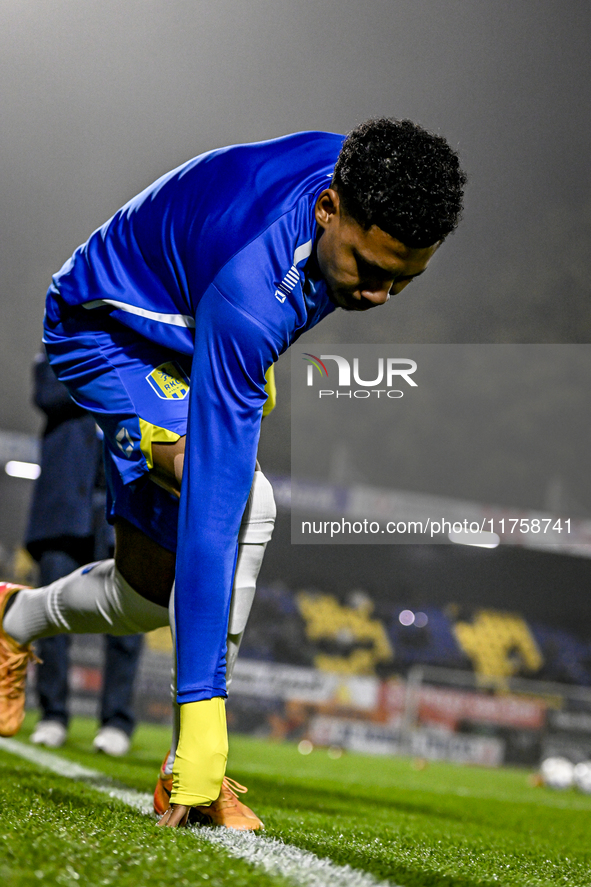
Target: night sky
[99,98]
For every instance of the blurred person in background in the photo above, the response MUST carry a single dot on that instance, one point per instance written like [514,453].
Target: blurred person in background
[67,528]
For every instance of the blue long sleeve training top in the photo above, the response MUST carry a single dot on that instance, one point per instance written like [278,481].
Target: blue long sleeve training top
[209,261]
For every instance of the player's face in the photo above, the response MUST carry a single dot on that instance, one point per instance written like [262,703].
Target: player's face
[362,268]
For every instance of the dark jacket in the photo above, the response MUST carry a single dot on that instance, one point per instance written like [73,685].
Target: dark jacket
[63,499]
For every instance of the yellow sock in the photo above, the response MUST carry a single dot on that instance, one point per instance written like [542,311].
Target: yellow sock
[202,752]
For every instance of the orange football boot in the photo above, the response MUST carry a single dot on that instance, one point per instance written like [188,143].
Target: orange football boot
[14,660]
[227,810]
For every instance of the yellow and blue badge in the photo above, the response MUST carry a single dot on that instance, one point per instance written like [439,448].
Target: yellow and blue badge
[169,381]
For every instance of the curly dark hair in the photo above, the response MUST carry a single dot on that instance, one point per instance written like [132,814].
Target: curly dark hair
[407,181]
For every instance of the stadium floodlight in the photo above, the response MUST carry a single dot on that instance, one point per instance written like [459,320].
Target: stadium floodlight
[478,540]
[28,470]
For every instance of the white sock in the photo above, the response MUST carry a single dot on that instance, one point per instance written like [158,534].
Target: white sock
[259,515]
[176,709]
[95,599]
[256,530]
[248,565]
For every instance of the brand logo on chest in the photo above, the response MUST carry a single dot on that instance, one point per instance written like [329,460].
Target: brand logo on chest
[292,278]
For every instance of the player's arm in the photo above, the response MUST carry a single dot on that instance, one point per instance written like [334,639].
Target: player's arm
[169,458]
[232,354]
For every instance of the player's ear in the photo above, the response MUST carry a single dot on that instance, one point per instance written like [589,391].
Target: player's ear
[328,207]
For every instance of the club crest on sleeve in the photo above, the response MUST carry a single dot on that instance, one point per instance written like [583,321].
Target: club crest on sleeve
[169,381]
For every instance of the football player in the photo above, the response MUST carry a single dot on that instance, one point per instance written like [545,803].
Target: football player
[164,325]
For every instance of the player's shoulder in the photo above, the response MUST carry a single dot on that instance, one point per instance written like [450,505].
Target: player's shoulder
[313,145]
[254,168]
[225,197]
[260,198]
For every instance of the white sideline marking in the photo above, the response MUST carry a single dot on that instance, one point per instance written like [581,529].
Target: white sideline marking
[301,867]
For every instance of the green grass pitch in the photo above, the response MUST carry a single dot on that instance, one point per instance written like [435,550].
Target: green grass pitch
[439,826]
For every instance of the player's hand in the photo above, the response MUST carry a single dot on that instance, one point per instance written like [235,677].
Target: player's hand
[176,816]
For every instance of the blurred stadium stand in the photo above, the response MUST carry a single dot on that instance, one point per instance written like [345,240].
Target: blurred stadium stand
[438,651]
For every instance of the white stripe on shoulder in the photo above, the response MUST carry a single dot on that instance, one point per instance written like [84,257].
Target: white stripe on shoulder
[302,252]
[173,319]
